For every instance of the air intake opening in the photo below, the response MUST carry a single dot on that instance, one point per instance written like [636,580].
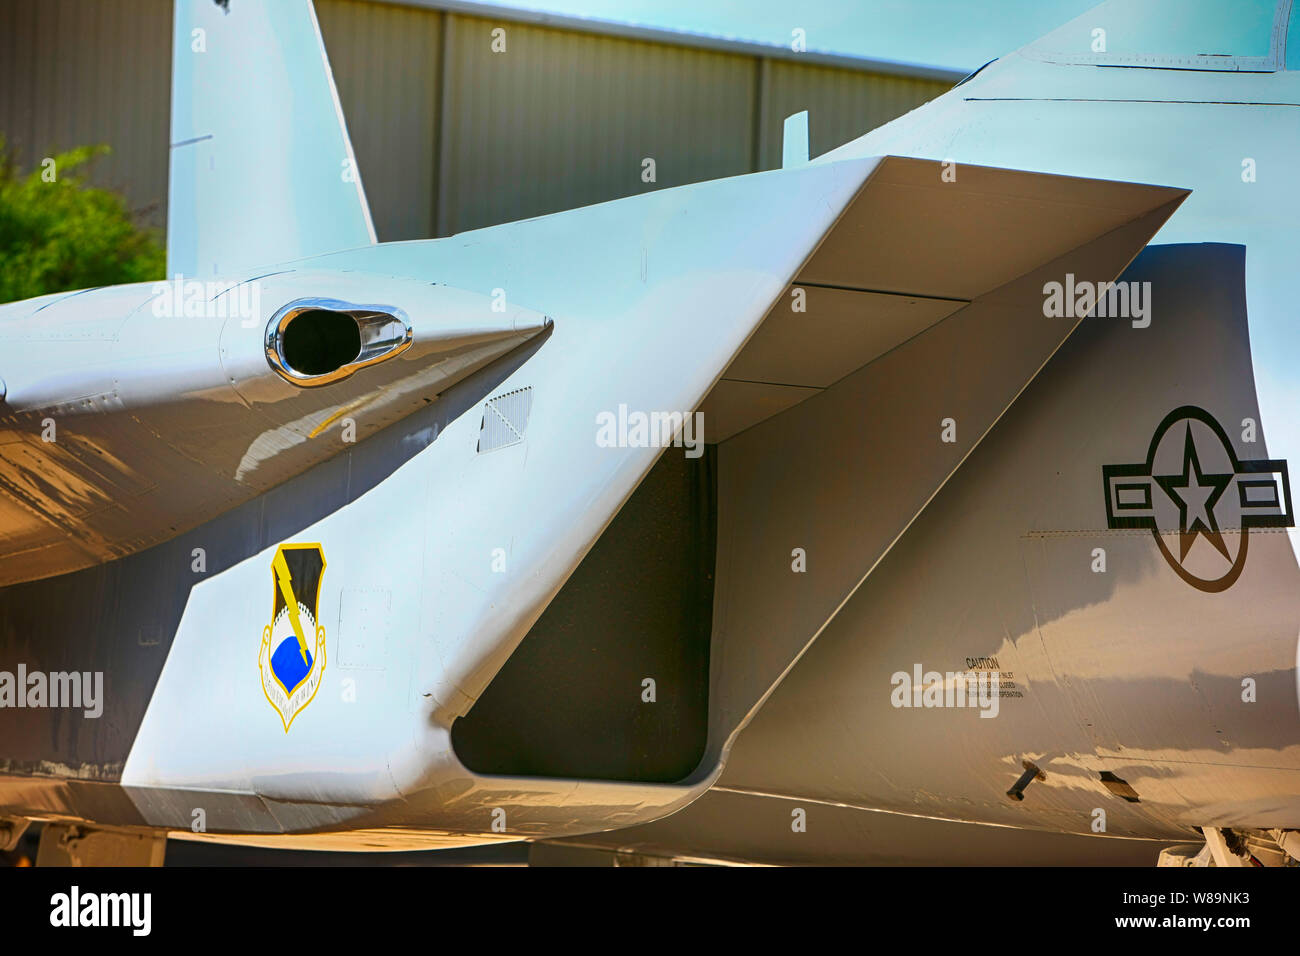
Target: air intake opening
[312,342]
[317,342]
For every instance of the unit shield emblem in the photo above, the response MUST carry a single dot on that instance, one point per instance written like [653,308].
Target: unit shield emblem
[292,655]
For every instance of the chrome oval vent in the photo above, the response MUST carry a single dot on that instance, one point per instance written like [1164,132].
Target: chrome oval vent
[319,341]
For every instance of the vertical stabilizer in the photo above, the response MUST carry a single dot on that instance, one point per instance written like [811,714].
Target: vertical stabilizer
[262,170]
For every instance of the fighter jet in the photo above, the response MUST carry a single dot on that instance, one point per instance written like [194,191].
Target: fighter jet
[770,519]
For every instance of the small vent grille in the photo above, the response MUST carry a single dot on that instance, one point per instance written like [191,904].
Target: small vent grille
[505,418]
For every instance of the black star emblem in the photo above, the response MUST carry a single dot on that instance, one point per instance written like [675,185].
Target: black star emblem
[1263,494]
[1196,494]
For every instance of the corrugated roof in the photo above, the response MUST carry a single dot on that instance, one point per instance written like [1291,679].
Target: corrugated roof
[681,38]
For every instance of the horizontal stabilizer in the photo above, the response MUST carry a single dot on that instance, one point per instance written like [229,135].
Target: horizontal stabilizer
[923,240]
[925,314]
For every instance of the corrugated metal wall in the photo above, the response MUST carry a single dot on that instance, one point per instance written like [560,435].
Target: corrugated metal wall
[566,119]
[387,65]
[842,104]
[448,134]
[80,72]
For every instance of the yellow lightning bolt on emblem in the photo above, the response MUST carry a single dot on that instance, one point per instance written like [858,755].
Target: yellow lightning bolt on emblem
[285,580]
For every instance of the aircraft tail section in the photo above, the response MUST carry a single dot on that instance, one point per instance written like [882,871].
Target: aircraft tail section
[922,315]
[262,170]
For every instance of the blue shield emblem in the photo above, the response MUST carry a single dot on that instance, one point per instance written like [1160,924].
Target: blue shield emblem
[291,658]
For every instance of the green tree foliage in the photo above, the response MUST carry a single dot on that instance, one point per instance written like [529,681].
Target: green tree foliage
[58,234]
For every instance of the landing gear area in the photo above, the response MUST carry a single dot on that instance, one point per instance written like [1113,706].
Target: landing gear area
[76,845]
[1225,847]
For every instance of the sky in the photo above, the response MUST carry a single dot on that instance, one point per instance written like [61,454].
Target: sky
[957,34]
